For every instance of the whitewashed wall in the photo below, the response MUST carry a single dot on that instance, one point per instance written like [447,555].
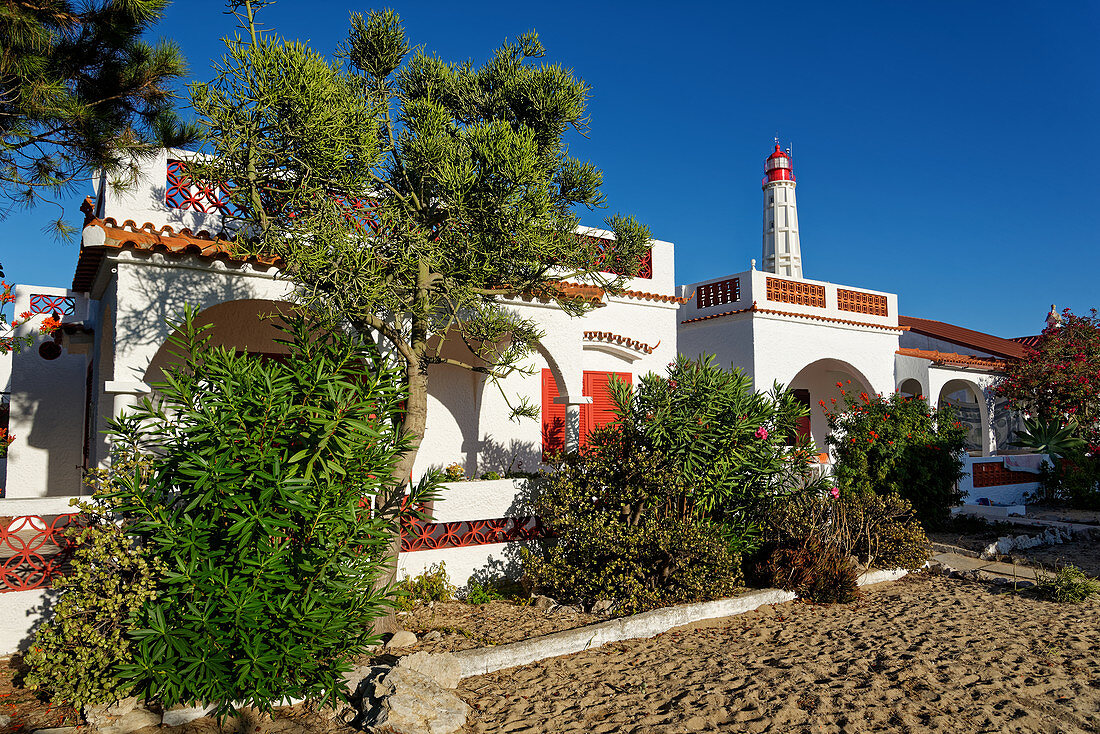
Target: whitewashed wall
[47,409]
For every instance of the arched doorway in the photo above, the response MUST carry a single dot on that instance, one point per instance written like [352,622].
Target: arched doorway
[828,381]
[246,325]
[911,388]
[967,403]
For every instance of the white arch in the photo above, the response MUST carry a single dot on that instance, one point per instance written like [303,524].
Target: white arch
[820,378]
[960,384]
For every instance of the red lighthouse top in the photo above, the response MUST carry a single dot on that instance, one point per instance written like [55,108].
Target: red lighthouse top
[778,167]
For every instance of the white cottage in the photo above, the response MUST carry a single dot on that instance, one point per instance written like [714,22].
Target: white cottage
[809,335]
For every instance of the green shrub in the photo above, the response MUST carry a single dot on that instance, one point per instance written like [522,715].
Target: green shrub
[658,509]
[76,653]
[1070,585]
[816,572]
[490,475]
[483,588]
[257,503]
[1073,478]
[431,585]
[881,531]
[454,472]
[898,445]
[621,530]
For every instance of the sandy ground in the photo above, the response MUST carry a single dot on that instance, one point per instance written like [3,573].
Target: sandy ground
[921,654]
[1063,514]
[463,626]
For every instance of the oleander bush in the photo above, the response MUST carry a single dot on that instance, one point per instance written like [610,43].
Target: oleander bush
[257,506]
[897,445]
[660,507]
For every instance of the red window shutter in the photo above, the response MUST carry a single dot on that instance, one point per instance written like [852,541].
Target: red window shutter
[553,418]
[601,410]
[802,427]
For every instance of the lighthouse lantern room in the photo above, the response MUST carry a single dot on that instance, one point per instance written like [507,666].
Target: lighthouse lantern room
[782,254]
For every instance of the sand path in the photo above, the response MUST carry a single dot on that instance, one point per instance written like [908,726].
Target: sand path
[922,654]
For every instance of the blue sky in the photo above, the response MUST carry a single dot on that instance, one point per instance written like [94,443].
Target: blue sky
[944,151]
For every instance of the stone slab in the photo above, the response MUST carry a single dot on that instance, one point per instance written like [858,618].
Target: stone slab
[647,624]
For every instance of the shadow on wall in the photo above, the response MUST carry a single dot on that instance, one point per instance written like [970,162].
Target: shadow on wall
[40,614]
[157,295]
[515,456]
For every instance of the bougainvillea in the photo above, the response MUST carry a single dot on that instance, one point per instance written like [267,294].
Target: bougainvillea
[897,445]
[1060,379]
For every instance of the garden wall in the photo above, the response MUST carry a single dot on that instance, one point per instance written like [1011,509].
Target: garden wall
[988,477]
[476,526]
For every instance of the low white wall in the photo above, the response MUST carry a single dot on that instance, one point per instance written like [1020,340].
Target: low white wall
[20,613]
[1003,494]
[465,502]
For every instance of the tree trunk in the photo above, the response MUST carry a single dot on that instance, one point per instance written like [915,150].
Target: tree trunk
[413,425]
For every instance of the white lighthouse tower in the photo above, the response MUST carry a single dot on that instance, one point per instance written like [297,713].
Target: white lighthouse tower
[782,254]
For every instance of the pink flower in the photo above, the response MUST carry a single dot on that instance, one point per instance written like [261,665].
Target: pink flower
[834,491]
[761,433]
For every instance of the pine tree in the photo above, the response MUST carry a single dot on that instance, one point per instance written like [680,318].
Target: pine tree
[80,92]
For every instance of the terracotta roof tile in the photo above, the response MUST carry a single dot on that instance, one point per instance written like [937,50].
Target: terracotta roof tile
[149,238]
[612,338]
[1031,342]
[965,337]
[756,309]
[950,359]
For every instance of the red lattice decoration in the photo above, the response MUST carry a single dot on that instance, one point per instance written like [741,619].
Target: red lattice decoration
[43,303]
[606,255]
[793,291]
[181,192]
[860,302]
[994,474]
[33,552]
[418,535]
[716,294]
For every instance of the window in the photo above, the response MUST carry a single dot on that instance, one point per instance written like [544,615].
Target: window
[598,413]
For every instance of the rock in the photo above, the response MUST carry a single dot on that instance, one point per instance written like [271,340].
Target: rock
[405,701]
[562,609]
[404,638]
[5,721]
[179,715]
[543,603]
[120,717]
[603,606]
[443,668]
[433,636]
[1024,584]
[136,718]
[60,730]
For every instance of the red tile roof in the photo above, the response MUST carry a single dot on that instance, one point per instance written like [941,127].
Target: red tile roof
[1031,342]
[965,337]
[756,309]
[612,338]
[950,359]
[149,238]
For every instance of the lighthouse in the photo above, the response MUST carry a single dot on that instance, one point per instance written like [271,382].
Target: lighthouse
[782,254]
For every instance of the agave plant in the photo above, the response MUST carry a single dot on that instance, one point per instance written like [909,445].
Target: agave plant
[1049,437]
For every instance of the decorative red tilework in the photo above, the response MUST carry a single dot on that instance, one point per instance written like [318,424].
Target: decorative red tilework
[994,474]
[34,550]
[43,303]
[793,291]
[860,302]
[717,294]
